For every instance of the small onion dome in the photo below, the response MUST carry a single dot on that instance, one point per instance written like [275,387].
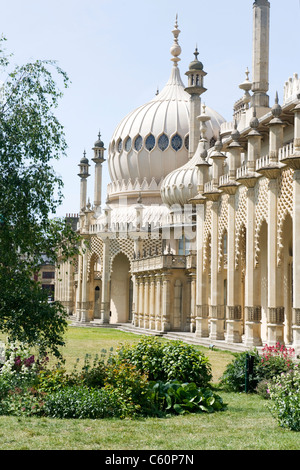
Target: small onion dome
[99,142]
[84,159]
[196,64]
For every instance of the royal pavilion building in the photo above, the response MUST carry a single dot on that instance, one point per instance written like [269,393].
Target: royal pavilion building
[198,232]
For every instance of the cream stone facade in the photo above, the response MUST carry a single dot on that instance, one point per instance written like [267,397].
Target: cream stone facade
[198,233]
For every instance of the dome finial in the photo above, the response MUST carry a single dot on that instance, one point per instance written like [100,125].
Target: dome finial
[176,49]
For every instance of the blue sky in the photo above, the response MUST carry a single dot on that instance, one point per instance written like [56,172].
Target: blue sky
[117,53]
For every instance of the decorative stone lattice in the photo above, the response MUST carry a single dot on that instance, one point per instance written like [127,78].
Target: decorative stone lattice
[261,212]
[95,251]
[152,246]
[240,220]
[284,207]
[121,245]
[222,227]
[207,235]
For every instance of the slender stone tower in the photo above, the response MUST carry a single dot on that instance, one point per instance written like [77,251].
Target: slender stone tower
[260,58]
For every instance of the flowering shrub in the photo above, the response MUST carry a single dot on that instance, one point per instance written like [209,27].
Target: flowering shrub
[276,359]
[273,361]
[284,402]
[18,359]
[119,387]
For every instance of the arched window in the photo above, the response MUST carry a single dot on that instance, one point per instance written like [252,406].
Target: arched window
[120,145]
[163,142]
[138,143]
[150,142]
[176,142]
[128,144]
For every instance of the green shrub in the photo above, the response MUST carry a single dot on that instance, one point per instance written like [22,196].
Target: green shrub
[184,363]
[132,385]
[84,403]
[163,361]
[284,401]
[273,361]
[93,373]
[22,402]
[182,398]
[233,378]
[146,356]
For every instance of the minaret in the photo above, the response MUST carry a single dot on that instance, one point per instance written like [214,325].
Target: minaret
[260,54]
[195,89]
[98,160]
[83,174]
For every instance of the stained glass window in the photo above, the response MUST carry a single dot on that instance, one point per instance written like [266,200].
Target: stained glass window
[163,142]
[128,144]
[138,143]
[176,142]
[120,145]
[150,142]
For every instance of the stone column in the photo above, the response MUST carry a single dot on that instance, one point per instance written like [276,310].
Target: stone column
[216,310]
[233,311]
[141,302]
[137,301]
[260,54]
[193,284]
[79,289]
[201,300]
[275,313]
[146,302]
[105,300]
[85,302]
[296,260]
[252,311]
[158,311]
[166,284]
[152,303]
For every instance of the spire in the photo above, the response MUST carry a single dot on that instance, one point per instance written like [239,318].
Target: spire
[176,49]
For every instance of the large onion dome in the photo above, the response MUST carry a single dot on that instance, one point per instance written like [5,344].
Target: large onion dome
[152,141]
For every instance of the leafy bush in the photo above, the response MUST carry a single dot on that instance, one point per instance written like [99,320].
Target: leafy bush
[233,377]
[118,387]
[276,360]
[132,384]
[285,399]
[22,402]
[84,403]
[182,398]
[184,363]
[273,361]
[92,374]
[162,361]
[146,356]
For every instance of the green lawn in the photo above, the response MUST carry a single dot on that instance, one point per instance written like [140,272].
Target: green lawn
[246,425]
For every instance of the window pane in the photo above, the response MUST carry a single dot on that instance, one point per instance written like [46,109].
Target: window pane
[138,143]
[163,142]
[150,142]
[176,142]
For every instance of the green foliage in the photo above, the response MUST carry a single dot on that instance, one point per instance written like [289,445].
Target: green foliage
[284,403]
[273,361]
[146,356]
[82,403]
[184,363]
[173,360]
[31,137]
[233,377]
[182,398]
